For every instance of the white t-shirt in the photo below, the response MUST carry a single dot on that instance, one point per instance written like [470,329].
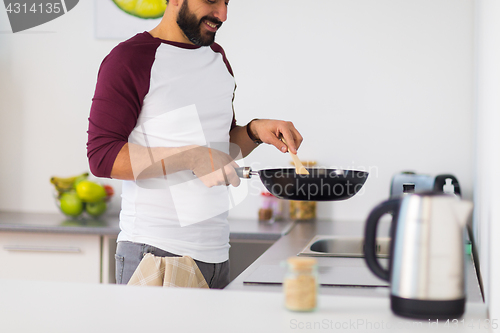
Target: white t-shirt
[167,94]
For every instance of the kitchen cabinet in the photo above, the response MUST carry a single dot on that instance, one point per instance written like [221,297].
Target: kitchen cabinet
[48,247]
[50,256]
[244,252]
[57,257]
[249,239]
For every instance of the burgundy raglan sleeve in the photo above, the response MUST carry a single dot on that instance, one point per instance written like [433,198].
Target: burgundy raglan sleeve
[122,83]
[217,48]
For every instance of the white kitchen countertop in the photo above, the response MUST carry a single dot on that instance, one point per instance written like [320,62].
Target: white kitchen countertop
[70,307]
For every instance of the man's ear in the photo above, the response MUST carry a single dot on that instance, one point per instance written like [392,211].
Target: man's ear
[174,3]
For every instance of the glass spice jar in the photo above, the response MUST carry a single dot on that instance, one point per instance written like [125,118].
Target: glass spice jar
[272,209]
[302,210]
[266,208]
[300,285]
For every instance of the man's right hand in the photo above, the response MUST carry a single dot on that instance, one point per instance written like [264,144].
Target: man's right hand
[214,167]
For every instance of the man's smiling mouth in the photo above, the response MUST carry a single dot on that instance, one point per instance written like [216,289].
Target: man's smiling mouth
[211,25]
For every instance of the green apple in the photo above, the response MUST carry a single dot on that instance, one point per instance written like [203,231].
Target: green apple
[90,191]
[95,209]
[70,203]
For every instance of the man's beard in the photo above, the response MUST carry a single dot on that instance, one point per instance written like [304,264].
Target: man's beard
[191,26]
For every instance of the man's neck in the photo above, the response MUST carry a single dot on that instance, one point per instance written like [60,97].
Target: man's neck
[169,30]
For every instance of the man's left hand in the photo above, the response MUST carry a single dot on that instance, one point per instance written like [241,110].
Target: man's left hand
[270,131]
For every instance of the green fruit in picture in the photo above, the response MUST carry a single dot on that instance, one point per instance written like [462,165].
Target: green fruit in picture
[71,204]
[146,9]
[95,209]
[89,191]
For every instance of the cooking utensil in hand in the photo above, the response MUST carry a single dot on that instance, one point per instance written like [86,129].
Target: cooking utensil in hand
[319,185]
[426,257]
[299,167]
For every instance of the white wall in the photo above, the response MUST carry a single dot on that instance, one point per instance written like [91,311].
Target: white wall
[47,80]
[486,194]
[382,85]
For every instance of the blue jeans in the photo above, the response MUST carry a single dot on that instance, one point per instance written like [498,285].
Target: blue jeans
[129,255]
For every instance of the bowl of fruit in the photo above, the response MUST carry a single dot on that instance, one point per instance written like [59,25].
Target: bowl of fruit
[79,196]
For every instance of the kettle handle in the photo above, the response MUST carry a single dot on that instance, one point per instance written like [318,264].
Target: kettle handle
[370,235]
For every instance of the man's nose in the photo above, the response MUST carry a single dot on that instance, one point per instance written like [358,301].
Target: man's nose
[220,11]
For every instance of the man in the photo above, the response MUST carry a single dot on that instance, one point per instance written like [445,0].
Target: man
[162,120]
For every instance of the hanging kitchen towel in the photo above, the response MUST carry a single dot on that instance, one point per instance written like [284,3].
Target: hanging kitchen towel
[168,272]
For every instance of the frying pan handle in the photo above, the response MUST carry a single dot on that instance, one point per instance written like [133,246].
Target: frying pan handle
[243,172]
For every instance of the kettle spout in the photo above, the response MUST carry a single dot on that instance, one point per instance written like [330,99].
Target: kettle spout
[463,211]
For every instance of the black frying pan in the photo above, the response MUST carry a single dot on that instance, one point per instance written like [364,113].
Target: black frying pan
[319,185]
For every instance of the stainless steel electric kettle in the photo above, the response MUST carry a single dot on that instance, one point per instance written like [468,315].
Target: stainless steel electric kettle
[426,262]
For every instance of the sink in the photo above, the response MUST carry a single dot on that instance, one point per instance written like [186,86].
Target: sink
[343,246]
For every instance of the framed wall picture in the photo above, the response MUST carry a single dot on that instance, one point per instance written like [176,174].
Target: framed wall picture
[121,19]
